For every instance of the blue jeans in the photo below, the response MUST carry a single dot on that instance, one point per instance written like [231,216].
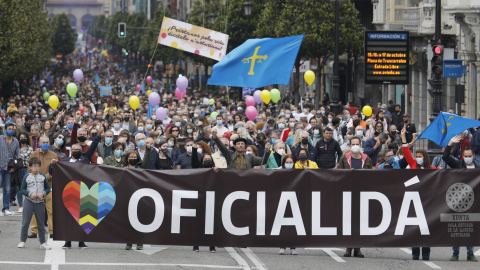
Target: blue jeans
[457,250]
[5,183]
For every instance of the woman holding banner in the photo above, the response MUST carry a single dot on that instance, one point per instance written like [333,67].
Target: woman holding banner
[288,163]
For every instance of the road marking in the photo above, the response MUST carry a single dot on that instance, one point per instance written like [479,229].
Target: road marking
[241,261]
[56,255]
[129,264]
[149,250]
[330,252]
[251,255]
[407,250]
[432,265]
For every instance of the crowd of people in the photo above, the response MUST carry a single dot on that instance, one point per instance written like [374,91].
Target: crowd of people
[95,129]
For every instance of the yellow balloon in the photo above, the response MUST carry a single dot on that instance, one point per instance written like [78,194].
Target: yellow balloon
[309,77]
[265,96]
[134,102]
[211,101]
[367,110]
[149,92]
[53,102]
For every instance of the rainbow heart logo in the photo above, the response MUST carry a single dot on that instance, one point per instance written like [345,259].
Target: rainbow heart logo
[89,206]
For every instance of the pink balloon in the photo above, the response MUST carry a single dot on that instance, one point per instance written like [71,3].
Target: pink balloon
[149,79]
[161,113]
[178,93]
[139,87]
[257,97]
[251,113]
[153,99]
[250,101]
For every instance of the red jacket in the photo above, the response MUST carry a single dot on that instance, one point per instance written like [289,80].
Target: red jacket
[412,162]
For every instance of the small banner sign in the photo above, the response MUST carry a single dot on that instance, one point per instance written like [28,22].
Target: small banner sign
[266,208]
[191,38]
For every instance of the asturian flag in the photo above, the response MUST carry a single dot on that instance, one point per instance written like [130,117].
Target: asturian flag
[258,63]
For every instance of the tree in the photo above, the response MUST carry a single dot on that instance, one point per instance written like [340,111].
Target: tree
[25,40]
[315,18]
[63,40]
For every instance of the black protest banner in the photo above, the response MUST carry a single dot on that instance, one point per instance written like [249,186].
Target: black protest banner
[266,208]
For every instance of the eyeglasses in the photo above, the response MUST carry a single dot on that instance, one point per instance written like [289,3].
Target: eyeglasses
[176,130]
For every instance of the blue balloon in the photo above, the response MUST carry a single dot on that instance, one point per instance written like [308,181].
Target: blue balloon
[44,88]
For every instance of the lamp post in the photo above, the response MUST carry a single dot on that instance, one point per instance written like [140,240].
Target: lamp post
[212,17]
[247,7]
[335,106]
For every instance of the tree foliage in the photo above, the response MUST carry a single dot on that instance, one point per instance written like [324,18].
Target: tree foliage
[25,39]
[63,39]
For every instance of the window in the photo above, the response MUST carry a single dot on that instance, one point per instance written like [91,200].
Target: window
[400,3]
[399,14]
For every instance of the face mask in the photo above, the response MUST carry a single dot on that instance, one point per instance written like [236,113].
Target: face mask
[305,141]
[145,118]
[108,140]
[360,133]
[281,152]
[231,144]
[116,126]
[330,120]
[405,121]
[70,126]
[195,115]
[303,157]
[261,141]
[355,149]
[219,122]
[208,163]
[287,116]
[141,143]
[419,161]
[76,154]
[98,127]
[45,146]
[149,126]
[379,106]
[45,116]
[292,124]
[316,132]
[281,126]
[199,123]
[50,113]
[177,124]
[126,119]
[281,114]
[391,160]
[165,151]
[289,166]
[132,162]
[10,133]
[184,122]
[126,139]
[160,132]
[189,149]
[273,140]
[211,136]
[59,141]
[199,150]
[171,144]
[23,141]
[189,130]
[322,112]
[248,152]
[118,153]
[468,160]
[140,129]
[82,139]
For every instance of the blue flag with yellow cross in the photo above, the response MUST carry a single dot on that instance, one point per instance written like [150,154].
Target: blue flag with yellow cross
[258,63]
[445,127]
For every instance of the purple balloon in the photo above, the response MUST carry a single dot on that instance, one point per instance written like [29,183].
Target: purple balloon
[182,83]
[161,113]
[257,97]
[153,99]
[78,74]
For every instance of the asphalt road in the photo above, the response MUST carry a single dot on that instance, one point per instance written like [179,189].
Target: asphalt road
[114,256]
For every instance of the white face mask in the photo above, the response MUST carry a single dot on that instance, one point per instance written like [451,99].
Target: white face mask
[248,152]
[199,150]
[231,144]
[189,149]
[199,123]
[281,152]
[355,149]
[419,161]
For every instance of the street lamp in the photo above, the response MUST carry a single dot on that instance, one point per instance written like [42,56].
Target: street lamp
[335,106]
[211,17]
[247,7]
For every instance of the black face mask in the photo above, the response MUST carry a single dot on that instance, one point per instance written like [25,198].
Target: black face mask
[126,119]
[304,141]
[23,141]
[165,151]
[27,126]
[82,139]
[405,121]
[76,154]
[132,162]
[208,164]
[261,141]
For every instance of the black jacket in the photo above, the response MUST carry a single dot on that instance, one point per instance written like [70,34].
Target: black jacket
[328,153]
[452,162]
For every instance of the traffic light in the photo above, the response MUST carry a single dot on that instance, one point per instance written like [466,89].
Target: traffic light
[122,30]
[437,61]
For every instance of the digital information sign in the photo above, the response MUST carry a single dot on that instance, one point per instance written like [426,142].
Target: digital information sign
[386,57]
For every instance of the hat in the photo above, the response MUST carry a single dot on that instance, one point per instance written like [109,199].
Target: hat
[384,106]
[239,139]
[406,115]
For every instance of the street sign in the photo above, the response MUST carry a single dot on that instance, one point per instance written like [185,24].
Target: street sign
[58,56]
[386,57]
[452,68]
